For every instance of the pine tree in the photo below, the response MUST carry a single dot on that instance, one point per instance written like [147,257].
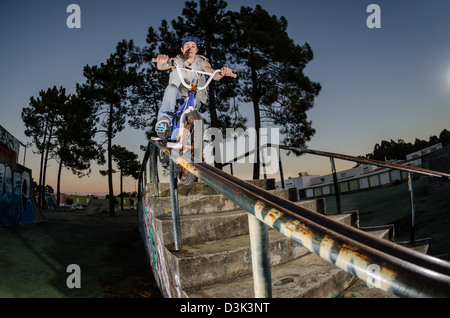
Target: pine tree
[272,78]
[108,88]
[42,120]
[76,145]
[128,165]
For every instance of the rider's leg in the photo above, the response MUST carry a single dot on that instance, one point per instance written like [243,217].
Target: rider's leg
[166,111]
[197,104]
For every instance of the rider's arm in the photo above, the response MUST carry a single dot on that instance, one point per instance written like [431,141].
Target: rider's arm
[225,71]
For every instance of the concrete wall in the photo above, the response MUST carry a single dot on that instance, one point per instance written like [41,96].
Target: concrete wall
[154,246]
[439,161]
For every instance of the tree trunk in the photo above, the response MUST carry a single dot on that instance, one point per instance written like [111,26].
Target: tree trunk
[40,188]
[214,121]
[110,179]
[212,102]
[45,163]
[121,190]
[58,184]
[212,106]
[255,98]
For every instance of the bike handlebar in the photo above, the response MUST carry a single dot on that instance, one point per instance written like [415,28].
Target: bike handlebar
[211,75]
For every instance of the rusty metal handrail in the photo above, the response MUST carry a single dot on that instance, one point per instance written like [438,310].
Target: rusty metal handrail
[378,163]
[398,270]
[383,164]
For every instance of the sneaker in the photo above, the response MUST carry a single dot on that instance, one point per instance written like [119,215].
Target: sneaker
[162,128]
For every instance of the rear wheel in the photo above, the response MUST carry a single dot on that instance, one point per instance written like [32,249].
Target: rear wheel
[192,144]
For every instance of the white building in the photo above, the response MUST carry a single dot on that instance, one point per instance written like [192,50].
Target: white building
[358,178]
[420,153]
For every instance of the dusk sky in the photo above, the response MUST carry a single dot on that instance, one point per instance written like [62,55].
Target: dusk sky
[378,84]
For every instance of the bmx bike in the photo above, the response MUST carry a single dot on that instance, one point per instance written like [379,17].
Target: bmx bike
[186,135]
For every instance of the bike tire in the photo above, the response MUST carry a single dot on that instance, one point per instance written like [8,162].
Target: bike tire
[192,135]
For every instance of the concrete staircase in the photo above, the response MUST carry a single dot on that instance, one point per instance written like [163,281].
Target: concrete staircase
[215,258]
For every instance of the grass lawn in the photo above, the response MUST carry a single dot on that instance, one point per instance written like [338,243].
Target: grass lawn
[109,251]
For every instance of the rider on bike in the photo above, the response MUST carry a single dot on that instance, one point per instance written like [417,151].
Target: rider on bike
[175,90]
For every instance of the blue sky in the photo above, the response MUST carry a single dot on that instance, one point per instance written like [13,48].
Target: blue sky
[377,84]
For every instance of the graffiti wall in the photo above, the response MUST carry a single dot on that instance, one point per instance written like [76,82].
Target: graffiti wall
[17,202]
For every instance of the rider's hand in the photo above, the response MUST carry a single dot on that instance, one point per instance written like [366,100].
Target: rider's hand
[162,59]
[226,71]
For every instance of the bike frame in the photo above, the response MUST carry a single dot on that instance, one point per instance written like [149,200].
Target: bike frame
[189,104]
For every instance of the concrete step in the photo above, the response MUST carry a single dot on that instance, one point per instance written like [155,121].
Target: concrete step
[197,188]
[308,276]
[206,227]
[348,217]
[200,221]
[201,188]
[193,205]
[384,231]
[419,245]
[203,204]
[295,271]
[360,289]
[203,264]
[235,252]
[317,205]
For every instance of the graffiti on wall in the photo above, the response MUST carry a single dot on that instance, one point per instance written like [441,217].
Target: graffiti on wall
[154,247]
[17,204]
[9,145]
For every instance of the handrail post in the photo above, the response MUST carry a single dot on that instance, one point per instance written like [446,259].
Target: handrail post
[413,211]
[336,187]
[259,243]
[154,163]
[263,163]
[281,169]
[148,172]
[174,206]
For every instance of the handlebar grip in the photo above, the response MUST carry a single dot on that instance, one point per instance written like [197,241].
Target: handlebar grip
[231,75]
[155,60]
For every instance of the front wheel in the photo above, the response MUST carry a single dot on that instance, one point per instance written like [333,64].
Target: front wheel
[164,158]
[192,144]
